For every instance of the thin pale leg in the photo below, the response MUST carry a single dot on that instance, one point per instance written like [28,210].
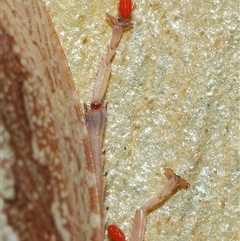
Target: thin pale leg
[140,218]
[104,72]
[95,114]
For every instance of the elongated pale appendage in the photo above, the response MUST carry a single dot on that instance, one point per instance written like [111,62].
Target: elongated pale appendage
[139,223]
[95,114]
[104,72]
[140,218]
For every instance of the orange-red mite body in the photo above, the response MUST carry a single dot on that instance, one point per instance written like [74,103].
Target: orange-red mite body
[125,9]
[115,233]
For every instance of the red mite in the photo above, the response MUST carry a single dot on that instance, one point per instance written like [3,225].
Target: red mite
[115,233]
[125,9]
